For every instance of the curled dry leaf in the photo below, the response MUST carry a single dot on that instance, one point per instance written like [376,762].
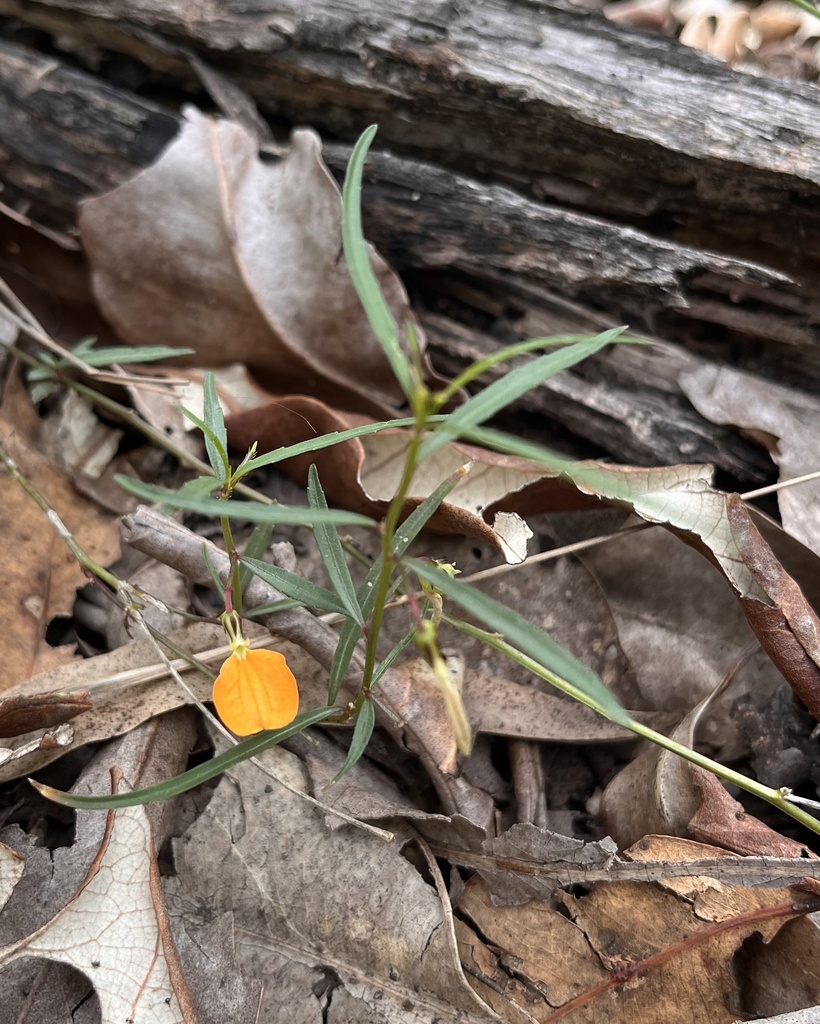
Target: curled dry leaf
[680,498]
[362,475]
[785,422]
[661,793]
[211,248]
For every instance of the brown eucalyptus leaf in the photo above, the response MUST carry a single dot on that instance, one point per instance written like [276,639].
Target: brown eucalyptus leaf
[21,714]
[213,249]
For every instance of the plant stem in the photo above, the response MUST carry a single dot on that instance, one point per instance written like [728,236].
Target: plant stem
[389,527]
[772,796]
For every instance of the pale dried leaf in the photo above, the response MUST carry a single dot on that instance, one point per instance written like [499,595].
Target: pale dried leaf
[785,421]
[11,869]
[115,930]
[659,792]
[214,249]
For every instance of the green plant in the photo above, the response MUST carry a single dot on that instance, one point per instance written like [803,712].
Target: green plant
[431,588]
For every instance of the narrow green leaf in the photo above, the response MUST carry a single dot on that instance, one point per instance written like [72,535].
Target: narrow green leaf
[274,514]
[273,608]
[361,272]
[195,776]
[330,548]
[200,487]
[315,444]
[520,348]
[258,543]
[213,445]
[523,635]
[511,386]
[391,657]
[349,636]
[216,440]
[296,587]
[122,354]
[499,441]
[362,731]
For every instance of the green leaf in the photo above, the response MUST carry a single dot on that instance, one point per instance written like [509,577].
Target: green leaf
[258,543]
[499,441]
[511,386]
[200,487]
[362,731]
[315,444]
[349,636]
[196,776]
[296,587]
[249,511]
[361,272]
[273,608]
[216,438]
[526,637]
[213,444]
[391,657]
[101,357]
[520,348]
[330,548]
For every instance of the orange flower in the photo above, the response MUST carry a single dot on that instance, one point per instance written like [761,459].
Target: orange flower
[255,690]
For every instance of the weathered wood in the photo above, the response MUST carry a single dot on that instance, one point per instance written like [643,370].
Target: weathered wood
[65,134]
[563,104]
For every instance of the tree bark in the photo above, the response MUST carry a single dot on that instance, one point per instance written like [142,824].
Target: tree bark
[489,261]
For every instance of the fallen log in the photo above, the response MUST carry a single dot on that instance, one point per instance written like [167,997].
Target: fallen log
[507,259]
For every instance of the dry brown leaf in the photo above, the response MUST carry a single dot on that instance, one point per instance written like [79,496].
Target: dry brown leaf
[212,249]
[659,792]
[680,498]
[41,576]
[535,957]
[586,963]
[312,903]
[115,930]
[784,421]
[685,620]
[20,714]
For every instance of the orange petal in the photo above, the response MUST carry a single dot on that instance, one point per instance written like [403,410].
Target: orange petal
[256,692]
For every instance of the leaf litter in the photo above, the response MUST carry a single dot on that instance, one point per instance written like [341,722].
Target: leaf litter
[302,913]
